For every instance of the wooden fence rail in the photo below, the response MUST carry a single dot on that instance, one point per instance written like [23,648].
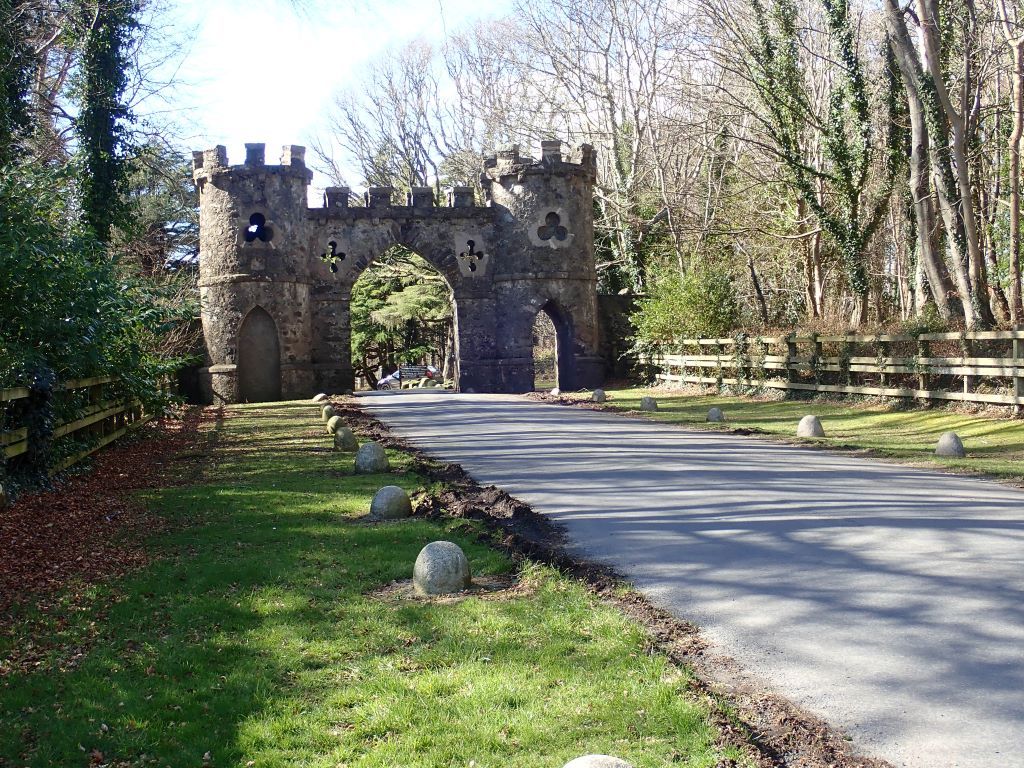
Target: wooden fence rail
[100,422]
[979,367]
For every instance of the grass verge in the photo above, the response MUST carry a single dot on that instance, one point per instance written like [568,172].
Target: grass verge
[255,639]
[995,446]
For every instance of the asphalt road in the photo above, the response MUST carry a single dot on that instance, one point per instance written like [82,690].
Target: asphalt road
[888,600]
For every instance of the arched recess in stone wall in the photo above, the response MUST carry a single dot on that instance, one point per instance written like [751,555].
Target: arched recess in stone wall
[259,358]
[563,343]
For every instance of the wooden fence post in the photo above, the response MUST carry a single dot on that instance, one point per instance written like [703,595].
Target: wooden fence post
[816,358]
[922,368]
[883,353]
[966,352]
[1018,379]
[790,358]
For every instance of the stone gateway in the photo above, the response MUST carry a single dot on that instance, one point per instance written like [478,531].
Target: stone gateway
[276,275]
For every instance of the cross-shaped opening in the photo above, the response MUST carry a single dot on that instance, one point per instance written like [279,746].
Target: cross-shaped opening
[332,255]
[471,255]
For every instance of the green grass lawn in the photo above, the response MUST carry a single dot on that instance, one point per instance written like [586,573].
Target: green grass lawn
[994,446]
[254,637]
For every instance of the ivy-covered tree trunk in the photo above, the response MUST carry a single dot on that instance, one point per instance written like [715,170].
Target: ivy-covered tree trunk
[102,123]
[16,64]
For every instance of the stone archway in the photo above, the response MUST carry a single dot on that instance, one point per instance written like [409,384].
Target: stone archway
[263,245]
[415,308]
[259,358]
[564,367]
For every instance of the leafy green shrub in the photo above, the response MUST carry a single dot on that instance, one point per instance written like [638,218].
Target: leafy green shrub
[700,304]
[67,311]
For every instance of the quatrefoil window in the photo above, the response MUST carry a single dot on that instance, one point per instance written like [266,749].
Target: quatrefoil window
[332,255]
[552,228]
[471,255]
[258,229]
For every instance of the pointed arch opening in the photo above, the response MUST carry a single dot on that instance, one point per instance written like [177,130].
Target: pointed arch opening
[259,358]
[404,318]
[552,355]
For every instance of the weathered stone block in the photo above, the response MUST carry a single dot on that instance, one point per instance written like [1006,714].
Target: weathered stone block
[371,459]
[320,398]
[441,569]
[648,404]
[810,426]
[390,503]
[345,440]
[950,446]
[599,396]
[715,415]
[334,424]
[327,413]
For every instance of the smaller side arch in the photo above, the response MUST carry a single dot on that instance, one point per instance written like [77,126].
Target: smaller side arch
[259,358]
[565,360]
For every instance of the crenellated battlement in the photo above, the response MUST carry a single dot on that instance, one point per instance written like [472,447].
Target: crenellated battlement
[215,162]
[508,161]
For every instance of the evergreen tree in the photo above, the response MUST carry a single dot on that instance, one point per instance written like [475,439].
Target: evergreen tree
[104,117]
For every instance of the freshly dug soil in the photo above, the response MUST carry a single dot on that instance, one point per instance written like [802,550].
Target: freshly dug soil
[771,730]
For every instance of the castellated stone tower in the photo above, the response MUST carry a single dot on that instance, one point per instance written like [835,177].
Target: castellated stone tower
[276,276]
[544,216]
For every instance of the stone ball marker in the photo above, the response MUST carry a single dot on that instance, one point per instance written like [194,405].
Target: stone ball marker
[556,391]
[599,396]
[648,403]
[371,459]
[715,415]
[597,761]
[810,426]
[345,440]
[441,569]
[327,413]
[390,503]
[950,446]
[334,424]
[319,398]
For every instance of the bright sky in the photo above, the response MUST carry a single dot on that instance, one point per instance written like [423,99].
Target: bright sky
[260,71]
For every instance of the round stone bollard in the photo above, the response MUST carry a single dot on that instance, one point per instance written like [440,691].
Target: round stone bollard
[327,413]
[715,415]
[950,446]
[371,459]
[810,426]
[648,404]
[597,761]
[334,424]
[556,392]
[319,398]
[345,440]
[599,396]
[390,503]
[441,569]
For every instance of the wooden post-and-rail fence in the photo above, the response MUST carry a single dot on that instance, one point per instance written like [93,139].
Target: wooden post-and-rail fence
[98,420]
[976,367]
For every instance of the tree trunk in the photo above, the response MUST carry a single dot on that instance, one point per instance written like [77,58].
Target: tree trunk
[762,305]
[964,197]
[913,77]
[1016,310]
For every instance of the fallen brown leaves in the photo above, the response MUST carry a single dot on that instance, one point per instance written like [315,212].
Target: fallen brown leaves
[89,526]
